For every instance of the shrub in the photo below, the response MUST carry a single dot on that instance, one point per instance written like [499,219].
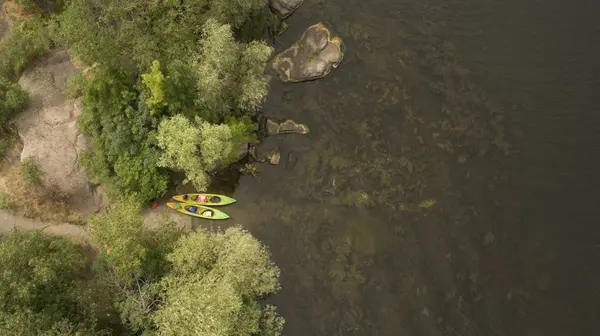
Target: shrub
[23,43]
[5,202]
[12,100]
[31,173]
[40,289]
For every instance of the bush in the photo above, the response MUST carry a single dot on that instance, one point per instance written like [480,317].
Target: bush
[23,43]
[12,100]
[153,66]
[5,202]
[31,173]
[40,290]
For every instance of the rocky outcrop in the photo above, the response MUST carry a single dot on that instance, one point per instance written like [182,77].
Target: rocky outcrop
[285,127]
[284,8]
[311,57]
[49,132]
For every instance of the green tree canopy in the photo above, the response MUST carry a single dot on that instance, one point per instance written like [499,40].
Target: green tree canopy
[119,232]
[12,99]
[42,291]
[213,286]
[197,147]
[158,60]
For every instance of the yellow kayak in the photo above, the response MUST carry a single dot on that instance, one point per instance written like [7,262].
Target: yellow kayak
[197,210]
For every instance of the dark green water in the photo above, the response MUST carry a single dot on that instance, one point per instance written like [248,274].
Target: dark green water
[448,184]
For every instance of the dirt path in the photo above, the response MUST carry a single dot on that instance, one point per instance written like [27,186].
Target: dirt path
[9,221]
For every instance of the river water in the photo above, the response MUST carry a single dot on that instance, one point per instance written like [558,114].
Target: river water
[447,186]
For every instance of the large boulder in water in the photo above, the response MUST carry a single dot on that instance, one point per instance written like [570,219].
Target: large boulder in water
[284,8]
[49,132]
[285,127]
[312,57]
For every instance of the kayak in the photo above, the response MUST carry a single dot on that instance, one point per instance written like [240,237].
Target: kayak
[213,199]
[201,211]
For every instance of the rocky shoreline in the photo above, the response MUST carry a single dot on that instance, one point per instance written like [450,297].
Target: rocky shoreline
[48,127]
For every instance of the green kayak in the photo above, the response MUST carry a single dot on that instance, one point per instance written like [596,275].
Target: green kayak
[200,211]
[209,199]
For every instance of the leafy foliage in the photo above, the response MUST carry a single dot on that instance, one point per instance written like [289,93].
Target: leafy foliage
[198,147]
[155,81]
[213,284]
[253,84]
[123,155]
[182,72]
[12,99]
[139,32]
[32,175]
[230,75]
[160,282]
[40,289]
[120,233]
[180,142]
[23,42]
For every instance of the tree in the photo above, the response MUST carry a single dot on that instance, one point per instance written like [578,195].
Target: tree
[123,155]
[180,142]
[154,66]
[41,291]
[214,283]
[119,232]
[230,74]
[253,83]
[133,34]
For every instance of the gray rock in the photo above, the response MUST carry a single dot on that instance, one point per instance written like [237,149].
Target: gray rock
[49,132]
[284,8]
[274,156]
[311,57]
[272,127]
[242,151]
[286,127]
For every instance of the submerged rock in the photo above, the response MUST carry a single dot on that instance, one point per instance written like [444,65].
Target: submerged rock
[284,8]
[48,129]
[274,156]
[271,156]
[286,127]
[311,57]
[242,151]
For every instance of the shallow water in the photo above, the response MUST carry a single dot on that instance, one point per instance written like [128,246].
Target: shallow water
[446,187]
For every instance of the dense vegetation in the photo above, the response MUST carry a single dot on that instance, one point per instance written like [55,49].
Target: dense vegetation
[143,282]
[157,65]
[173,88]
